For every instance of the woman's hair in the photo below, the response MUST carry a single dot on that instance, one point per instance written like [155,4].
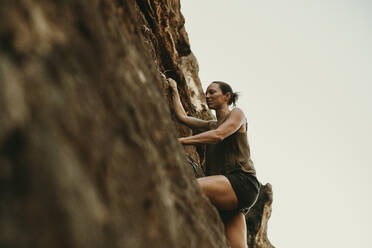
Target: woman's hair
[225,88]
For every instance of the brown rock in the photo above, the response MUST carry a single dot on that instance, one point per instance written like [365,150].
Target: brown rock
[258,217]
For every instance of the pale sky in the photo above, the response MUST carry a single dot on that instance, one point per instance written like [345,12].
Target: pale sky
[304,70]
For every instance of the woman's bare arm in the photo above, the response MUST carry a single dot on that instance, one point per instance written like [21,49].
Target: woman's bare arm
[189,121]
[228,127]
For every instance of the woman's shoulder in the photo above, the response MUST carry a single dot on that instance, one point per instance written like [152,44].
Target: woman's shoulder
[240,116]
[237,112]
[236,109]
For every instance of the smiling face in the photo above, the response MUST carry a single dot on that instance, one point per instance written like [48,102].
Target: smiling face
[214,96]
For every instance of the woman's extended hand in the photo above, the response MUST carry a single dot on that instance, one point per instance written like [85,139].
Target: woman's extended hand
[172,84]
[180,140]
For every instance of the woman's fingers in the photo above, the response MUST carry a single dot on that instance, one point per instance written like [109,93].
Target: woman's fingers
[172,83]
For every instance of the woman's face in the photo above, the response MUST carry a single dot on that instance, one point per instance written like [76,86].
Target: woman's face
[214,96]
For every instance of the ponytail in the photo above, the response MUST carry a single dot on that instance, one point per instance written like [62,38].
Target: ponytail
[234,97]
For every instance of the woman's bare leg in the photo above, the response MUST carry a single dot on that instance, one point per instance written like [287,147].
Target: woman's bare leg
[236,230]
[219,191]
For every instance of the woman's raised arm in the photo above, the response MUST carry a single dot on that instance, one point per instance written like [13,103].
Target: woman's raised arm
[192,122]
[229,126]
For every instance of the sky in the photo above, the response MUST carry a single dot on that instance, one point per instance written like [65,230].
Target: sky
[304,71]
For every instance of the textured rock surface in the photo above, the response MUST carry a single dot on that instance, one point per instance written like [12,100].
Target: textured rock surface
[88,152]
[258,217]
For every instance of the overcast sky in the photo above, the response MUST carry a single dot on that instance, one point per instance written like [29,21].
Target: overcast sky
[304,70]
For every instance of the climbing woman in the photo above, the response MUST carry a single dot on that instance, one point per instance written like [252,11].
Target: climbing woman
[230,182]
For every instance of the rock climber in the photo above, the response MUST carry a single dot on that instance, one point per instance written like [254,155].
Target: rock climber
[230,182]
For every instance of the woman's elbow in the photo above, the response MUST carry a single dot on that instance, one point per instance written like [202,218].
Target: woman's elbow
[218,137]
[182,117]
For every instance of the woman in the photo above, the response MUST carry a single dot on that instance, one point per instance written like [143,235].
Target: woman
[231,183]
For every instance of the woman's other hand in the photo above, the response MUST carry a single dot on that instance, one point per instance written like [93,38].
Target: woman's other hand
[181,140]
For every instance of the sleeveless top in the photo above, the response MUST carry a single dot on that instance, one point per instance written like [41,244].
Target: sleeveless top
[231,154]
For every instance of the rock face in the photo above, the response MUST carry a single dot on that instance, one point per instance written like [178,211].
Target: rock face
[88,149]
[258,217]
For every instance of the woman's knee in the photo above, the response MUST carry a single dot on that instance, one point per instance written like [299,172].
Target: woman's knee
[203,185]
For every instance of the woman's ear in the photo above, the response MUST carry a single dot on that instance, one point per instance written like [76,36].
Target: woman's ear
[228,96]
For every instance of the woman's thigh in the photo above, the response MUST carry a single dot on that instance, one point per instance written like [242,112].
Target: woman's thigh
[219,191]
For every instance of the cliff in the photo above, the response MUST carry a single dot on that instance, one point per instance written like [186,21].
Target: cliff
[88,149]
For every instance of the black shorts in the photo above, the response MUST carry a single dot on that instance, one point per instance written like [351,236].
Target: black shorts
[246,187]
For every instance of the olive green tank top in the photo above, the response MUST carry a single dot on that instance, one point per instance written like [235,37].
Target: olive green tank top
[229,155]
